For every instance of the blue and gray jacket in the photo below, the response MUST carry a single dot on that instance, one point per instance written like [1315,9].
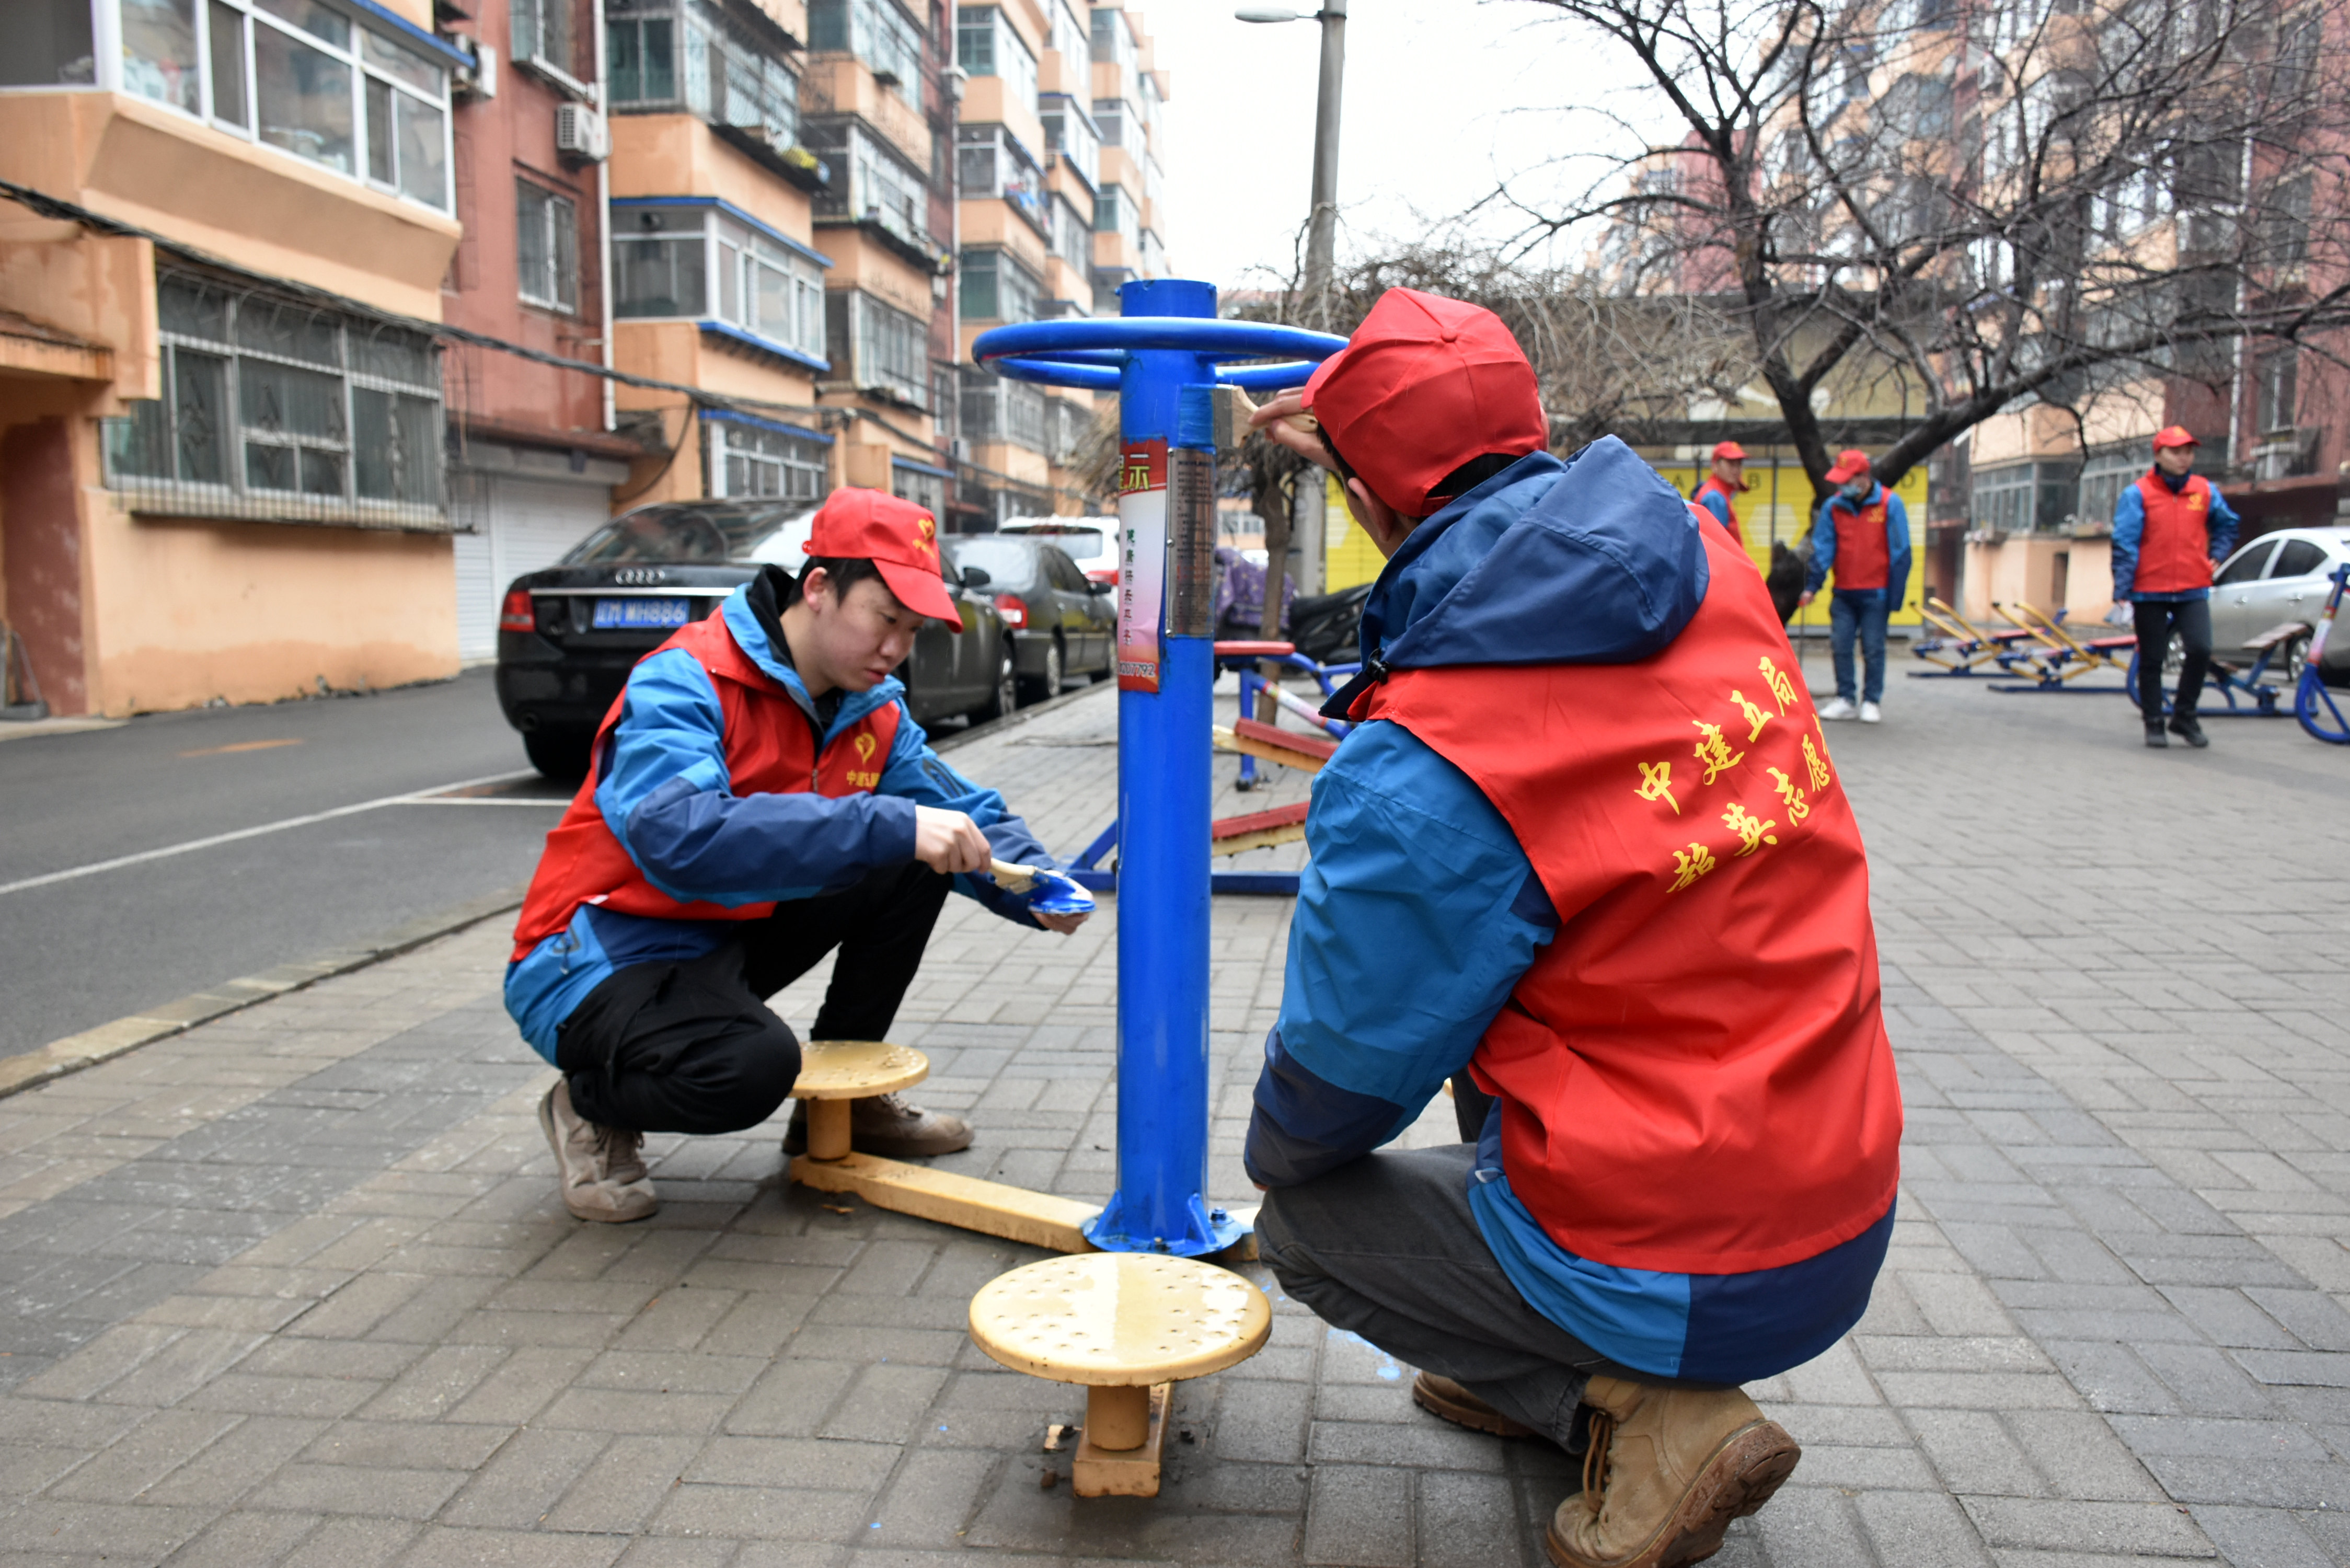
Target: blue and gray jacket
[662,789]
[1419,911]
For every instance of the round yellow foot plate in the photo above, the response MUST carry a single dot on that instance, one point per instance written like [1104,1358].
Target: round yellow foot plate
[1120,1319]
[853,1069]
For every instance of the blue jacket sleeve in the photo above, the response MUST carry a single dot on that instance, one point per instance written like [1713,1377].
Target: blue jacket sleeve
[918,775]
[1714,502]
[1897,543]
[2129,527]
[1824,547]
[664,790]
[2222,524]
[1416,917]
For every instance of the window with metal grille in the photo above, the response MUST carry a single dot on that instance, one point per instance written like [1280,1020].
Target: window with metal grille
[275,409]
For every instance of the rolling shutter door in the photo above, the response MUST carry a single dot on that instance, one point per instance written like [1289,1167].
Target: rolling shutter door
[525,524]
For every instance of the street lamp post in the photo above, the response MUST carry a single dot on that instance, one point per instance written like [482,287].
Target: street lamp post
[1322,224]
[1321,241]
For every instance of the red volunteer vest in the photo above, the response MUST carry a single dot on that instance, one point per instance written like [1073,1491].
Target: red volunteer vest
[1713,487]
[1863,560]
[2174,553]
[1694,1074]
[770,750]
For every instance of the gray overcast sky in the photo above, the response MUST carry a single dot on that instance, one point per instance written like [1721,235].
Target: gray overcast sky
[1435,94]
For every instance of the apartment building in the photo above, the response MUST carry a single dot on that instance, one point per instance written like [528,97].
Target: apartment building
[221,468]
[533,462]
[879,107]
[717,282]
[281,300]
[1057,164]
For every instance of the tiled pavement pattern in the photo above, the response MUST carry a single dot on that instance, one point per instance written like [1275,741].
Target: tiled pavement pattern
[294,1287]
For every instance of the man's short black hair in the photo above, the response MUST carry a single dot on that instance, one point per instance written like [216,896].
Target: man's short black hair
[844,572]
[1459,482]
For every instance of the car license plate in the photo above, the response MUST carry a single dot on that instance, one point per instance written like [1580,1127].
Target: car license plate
[633,614]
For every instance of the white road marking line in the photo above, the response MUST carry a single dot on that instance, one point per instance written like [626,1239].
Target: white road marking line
[92,870]
[468,800]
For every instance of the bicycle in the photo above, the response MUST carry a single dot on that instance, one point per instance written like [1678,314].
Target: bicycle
[2313,702]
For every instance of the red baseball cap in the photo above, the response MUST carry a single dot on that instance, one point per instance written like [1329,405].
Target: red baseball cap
[1851,464]
[2173,435]
[898,537]
[1425,384]
[1730,452]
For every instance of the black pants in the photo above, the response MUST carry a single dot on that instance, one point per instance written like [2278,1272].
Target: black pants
[692,1048]
[1385,1247]
[2156,620]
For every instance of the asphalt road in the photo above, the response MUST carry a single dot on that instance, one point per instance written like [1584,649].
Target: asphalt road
[83,950]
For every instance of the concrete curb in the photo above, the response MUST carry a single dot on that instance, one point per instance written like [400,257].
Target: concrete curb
[108,1041]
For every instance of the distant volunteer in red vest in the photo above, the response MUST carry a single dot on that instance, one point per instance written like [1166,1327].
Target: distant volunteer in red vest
[1862,534]
[1722,486]
[1587,854]
[2168,530]
[759,796]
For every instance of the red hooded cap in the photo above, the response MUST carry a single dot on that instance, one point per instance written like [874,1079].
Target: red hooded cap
[898,537]
[1425,384]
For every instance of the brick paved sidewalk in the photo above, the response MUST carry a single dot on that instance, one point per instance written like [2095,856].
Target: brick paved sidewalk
[294,1287]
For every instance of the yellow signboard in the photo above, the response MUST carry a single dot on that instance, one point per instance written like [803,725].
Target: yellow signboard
[1777,505]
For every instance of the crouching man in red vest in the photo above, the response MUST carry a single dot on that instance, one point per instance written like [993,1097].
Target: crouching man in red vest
[1587,855]
[758,796]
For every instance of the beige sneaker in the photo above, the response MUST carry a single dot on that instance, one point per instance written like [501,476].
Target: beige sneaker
[888,1125]
[1667,1471]
[602,1170]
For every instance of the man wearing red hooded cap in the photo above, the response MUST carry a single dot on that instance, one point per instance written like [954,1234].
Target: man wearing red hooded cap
[758,796]
[1586,856]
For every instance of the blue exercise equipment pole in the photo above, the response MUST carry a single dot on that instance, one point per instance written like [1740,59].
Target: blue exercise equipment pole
[1161,356]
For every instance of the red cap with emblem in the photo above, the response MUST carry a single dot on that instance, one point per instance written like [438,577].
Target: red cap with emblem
[898,537]
[1730,452]
[2174,435]
[1850,464]
[1425,384]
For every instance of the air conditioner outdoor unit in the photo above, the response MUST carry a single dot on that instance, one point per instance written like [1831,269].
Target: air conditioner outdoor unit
[580,132]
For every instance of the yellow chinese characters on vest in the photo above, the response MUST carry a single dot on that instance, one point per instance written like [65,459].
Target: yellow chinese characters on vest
[1722,788]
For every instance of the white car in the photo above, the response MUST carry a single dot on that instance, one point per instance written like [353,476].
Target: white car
[2277,577]
[1088,541]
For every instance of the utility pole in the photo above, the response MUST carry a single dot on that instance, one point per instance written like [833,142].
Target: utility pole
[1307,526]
[1322,226]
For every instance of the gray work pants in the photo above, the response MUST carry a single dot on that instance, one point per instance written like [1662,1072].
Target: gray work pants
[1385,1247]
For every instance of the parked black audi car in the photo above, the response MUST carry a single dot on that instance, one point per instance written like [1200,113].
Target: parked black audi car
[1061,623]
[569,636]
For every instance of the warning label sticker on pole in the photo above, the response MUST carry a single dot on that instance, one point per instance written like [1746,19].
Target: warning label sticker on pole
[1141,564]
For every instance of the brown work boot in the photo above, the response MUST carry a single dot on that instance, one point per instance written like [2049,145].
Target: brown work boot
[1441,1395]
[602,1170]
[888,1125]
[1667,1471]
